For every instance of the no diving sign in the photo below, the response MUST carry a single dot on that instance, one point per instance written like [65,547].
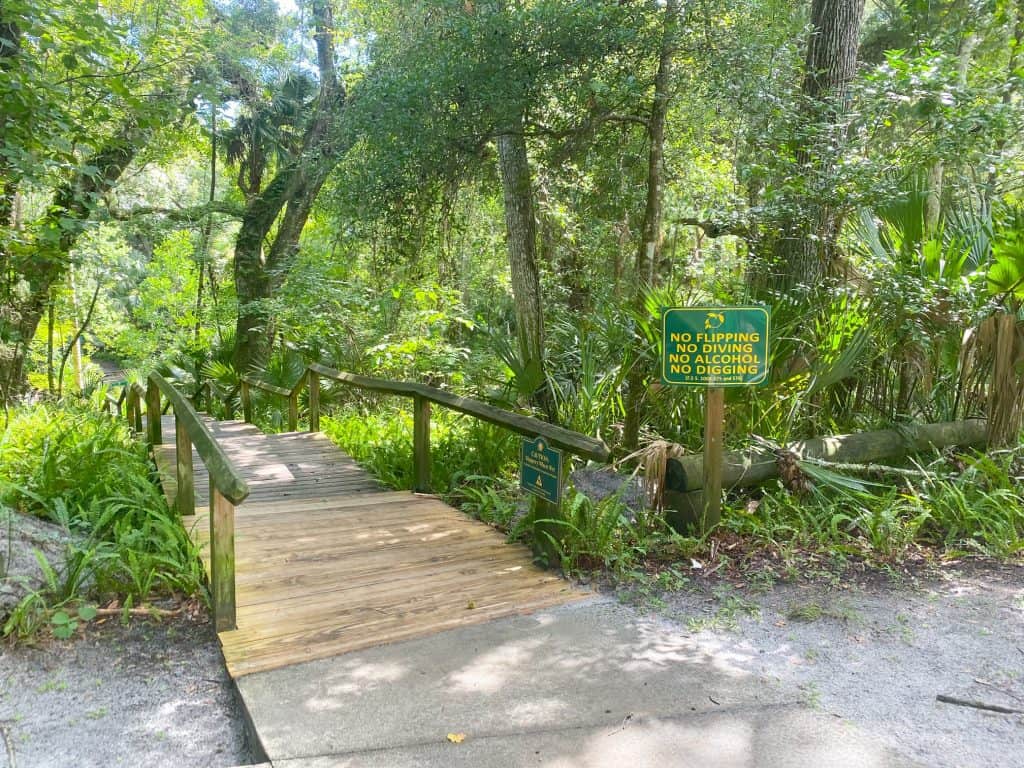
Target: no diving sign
[715,346]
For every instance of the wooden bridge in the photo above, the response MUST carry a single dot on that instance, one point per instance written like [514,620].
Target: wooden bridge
[320,560]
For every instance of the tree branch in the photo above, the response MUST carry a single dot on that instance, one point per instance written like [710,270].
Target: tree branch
[614,117]
[192,213]
[714,228]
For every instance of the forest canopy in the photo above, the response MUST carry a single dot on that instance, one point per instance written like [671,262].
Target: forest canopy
[499,196]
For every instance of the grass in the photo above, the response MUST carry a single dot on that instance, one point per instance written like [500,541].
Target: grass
[81,469]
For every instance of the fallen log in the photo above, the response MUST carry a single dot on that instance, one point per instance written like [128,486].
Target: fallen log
[684,501]
[745,468]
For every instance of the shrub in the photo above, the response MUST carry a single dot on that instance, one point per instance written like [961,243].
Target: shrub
[460,446]
[82,470]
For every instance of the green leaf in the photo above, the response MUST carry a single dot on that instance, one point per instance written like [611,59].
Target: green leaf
[1006,275]
[87,613]
[60,618]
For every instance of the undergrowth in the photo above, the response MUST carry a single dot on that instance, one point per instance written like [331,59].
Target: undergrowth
[462,449]
[80,469]
[976,507]
[976,510]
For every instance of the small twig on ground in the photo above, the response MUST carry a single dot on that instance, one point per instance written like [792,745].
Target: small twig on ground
[995,687]
[622,727]
[712,570]
[978,705]
[137,612]
[8,745]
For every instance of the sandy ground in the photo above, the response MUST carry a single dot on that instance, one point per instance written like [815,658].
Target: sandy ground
[879,652]
[147,694]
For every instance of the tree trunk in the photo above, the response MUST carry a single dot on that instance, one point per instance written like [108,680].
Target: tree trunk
[50,322]
[43,267]
[650,241]
[293,190]
[807,243]
[203,256]
[521,233]
[936,174]
[746,468]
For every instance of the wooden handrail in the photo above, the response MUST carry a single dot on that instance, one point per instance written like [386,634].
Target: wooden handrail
[252,381]
[423,396]
[223,473]
[566,439]
[292,394]
[111,404]
[228,488]
[133,405]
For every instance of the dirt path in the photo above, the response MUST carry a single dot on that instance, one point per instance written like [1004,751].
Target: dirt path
[879,653]
[143,695]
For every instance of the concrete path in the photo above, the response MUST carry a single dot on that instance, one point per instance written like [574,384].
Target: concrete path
[588,685]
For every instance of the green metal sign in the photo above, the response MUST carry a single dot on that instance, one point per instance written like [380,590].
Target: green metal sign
[540,470]
[714,346]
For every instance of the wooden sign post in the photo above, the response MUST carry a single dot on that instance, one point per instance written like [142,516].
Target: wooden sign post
[714,348]
[714,425]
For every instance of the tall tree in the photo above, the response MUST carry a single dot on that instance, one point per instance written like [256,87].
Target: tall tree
[284,205]
[649,248]
[806,243]
[453,80]
[521,235]
[70,126]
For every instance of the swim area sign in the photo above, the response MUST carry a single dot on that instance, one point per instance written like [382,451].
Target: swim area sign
[714,346]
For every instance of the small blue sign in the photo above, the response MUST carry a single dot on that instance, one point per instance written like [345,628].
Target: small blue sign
[540,470]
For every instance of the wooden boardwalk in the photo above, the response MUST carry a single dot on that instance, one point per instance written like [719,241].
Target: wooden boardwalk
[329,562]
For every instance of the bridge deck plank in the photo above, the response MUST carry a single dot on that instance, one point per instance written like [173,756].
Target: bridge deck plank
[329,562]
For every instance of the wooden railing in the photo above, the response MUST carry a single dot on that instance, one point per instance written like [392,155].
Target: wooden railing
[422,396]
[134,398]
[248,383]
[113,404]
[228,487]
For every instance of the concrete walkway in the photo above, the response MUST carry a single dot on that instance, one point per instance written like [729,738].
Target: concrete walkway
[588,685]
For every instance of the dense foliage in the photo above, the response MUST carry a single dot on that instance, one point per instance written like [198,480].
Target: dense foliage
[83,471]
[499,196]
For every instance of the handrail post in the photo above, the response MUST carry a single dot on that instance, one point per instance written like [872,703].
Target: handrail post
[293,411]
[135,411]
[246,402]
[313,382]
[153,413]
[138,414]
[129,409]
[421,444]
[185,497]
[222,560]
